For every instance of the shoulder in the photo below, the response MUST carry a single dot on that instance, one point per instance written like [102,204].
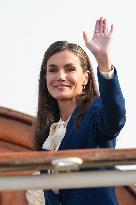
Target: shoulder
[93,109]
[95,104]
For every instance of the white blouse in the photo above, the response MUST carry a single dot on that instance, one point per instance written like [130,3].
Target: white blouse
[56,135]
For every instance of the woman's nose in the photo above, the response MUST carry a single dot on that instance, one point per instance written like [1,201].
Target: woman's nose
[61,75]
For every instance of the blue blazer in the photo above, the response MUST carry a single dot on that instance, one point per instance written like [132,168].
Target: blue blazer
[98,129]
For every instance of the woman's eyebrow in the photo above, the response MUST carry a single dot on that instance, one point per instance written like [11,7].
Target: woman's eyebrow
[52,65]
[69,64]
[66,65]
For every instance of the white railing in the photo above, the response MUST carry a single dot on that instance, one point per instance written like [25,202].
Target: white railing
[66,169]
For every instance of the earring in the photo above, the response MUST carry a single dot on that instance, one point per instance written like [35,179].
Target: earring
[83,89]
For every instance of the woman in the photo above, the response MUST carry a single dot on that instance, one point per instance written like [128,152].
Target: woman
[71,113]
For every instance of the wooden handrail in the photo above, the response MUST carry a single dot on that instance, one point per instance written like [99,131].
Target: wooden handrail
[43,160]
[16,115]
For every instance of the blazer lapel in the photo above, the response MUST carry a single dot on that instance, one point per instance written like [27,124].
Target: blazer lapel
[70,131]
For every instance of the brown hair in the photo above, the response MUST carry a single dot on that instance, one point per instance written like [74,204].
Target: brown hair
[48,110]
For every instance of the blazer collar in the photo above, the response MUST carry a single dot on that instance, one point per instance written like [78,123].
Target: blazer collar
[70,130]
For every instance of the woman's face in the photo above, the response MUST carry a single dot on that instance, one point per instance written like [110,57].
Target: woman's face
[65,76]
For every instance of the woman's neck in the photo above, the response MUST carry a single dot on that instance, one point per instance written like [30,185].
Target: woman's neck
[66,109]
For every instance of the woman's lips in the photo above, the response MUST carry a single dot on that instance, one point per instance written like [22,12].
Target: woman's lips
[61,86]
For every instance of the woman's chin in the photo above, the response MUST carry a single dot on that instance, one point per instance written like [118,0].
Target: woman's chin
[63,97]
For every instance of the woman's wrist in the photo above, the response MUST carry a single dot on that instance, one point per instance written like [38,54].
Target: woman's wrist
[108,75]
[104,63]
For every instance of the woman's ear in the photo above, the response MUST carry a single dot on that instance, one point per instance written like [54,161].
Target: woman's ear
[86,77]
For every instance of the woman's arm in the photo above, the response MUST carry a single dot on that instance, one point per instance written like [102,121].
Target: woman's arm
[111,112]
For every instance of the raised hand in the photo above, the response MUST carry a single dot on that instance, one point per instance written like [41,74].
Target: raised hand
[99,45]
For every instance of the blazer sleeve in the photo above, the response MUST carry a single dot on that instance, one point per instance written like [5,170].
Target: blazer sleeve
[111,113]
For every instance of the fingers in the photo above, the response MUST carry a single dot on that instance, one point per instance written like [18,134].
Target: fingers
[96,30]
[86,37]
[101,27]
[105,26]
[111,30]
[101,24]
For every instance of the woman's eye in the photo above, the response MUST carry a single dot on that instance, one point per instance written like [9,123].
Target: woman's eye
[71,68]
[52,70]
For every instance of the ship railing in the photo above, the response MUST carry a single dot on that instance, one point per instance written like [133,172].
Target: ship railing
[67,169]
